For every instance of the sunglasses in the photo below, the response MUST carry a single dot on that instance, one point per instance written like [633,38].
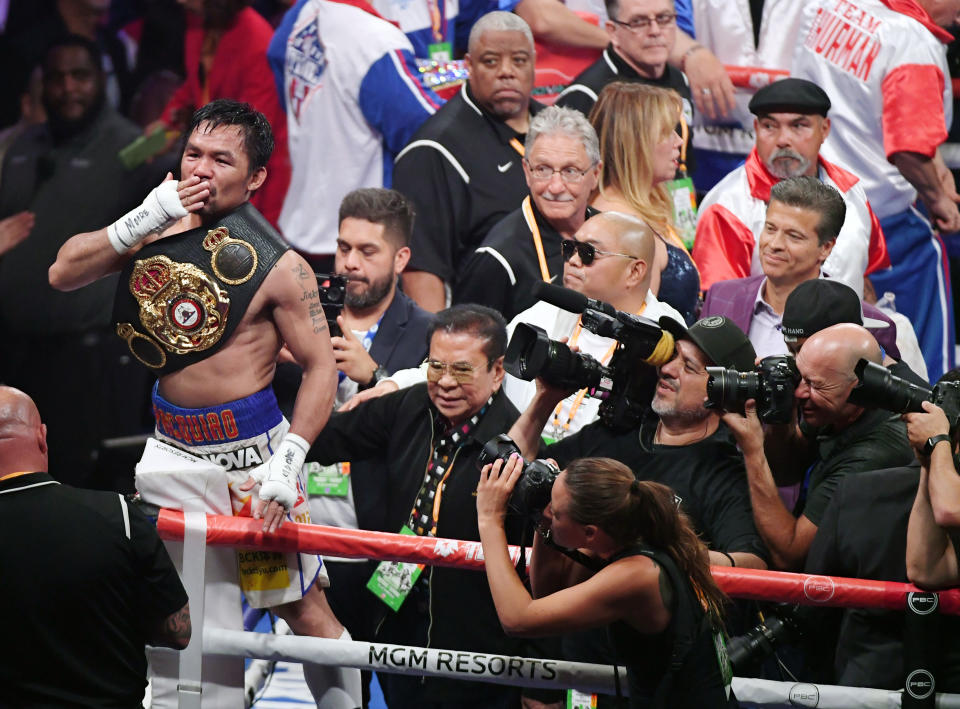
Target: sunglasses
[587,252]
[462,372]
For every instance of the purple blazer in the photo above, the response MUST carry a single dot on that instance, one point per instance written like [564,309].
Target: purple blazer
[735,299]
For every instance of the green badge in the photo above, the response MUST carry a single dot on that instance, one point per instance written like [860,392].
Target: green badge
[328,480]
[580,700]
[441,52]
[683,200]
[723,660]
[393,580]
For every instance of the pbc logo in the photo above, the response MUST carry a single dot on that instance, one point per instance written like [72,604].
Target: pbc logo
[804,695]
[819,589]
[920,684]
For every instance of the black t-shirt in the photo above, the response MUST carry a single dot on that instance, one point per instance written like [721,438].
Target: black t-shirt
[863,534]
[82,597]
[462,171]
[708,476]
[502,271]
[586,87]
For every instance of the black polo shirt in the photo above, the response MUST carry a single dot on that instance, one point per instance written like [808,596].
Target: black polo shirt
[583,92]
[463,176]
[501,272]
[84,588]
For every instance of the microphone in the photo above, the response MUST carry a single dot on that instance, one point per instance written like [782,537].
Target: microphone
[570,300]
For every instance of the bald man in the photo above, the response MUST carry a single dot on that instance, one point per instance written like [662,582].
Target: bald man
[89,579]
[608,259]
[847,438]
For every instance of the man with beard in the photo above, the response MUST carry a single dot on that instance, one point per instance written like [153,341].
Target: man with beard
[58,347]
[791,124]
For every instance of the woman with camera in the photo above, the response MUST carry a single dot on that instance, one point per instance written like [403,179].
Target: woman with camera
[652,588]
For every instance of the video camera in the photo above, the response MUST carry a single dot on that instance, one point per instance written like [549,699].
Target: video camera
[332,290]
[878,388]
[531,494]
[771,385]
[625,385]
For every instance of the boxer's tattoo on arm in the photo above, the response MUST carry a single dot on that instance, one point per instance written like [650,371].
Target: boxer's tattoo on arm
[311,296]
[175,630]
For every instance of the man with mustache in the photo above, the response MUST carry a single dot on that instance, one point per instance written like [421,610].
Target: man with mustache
[791,124]
[561,166]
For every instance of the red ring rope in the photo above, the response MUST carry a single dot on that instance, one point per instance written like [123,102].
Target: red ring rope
[806,589]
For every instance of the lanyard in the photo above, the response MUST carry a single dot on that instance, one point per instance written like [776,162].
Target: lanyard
[518,146]
[684,134]
[565,425]
[527,209]
[15,475]
[437,20]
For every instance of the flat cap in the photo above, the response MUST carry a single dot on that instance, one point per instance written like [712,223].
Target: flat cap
[790,96]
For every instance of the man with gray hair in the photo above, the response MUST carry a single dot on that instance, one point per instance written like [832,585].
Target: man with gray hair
[462,170]
[561,166]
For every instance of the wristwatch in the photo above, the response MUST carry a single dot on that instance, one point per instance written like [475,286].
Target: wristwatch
[379,373]
[933,441]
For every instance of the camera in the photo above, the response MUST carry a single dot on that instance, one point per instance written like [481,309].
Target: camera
[771,385]
[625,384]
[332,290]
[878,388]
[783,624]
[532,491]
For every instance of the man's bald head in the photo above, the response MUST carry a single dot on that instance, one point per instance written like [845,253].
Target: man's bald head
[844,345]
[826,364]
[633,236]
[23,435]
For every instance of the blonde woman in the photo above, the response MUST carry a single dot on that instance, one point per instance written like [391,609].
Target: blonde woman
[640,148]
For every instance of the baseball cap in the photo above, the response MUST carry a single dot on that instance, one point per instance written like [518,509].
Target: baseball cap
[721,340]
[819,303]
[790,96]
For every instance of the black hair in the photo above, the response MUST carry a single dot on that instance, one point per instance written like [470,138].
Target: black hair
[257,134]
[74,40]
[478,320]
[808,192]
[381,206]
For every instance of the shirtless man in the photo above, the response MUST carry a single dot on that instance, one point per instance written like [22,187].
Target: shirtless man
[215,364]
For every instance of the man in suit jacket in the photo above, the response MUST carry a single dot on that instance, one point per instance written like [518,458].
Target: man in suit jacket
[801,227]
[382,330]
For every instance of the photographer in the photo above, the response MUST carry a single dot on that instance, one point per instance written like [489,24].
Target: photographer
[653,590]
[848,439]
[933,534]
[684,446]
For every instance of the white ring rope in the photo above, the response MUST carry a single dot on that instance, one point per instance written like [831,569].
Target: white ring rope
[522,671]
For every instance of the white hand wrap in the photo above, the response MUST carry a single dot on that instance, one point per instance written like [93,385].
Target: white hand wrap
[159,210]
[278,476]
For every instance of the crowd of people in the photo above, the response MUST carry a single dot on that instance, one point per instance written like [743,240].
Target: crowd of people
[306,264]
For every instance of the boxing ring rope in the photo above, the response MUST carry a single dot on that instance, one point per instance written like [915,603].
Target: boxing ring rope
[198,530]
[753,584]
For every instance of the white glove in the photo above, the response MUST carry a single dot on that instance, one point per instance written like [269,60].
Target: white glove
[159,210]
[278,476]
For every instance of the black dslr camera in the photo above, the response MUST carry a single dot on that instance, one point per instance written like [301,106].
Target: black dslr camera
[877,388]
[332,290]
[771,385]
[531,494]
[626,384]
[782,624]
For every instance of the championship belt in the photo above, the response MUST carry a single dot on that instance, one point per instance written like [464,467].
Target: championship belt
[185,286]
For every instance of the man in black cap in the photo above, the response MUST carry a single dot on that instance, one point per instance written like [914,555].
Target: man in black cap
[820,303]
[680,443]
[791,124]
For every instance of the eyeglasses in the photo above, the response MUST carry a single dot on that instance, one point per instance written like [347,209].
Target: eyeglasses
[663,19]
[463,372]
[570,175]
[586,252]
